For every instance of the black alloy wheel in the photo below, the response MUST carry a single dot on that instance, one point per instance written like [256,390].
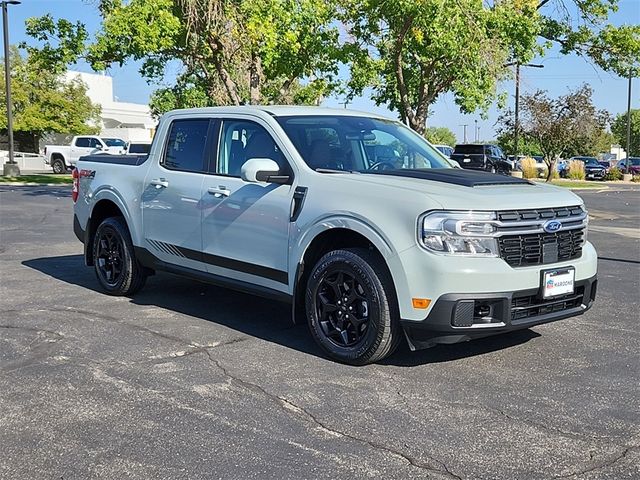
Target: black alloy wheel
[352,307]
[342,308]
[109,257]
[114,259]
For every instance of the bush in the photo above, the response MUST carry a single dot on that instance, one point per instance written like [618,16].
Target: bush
[528,167]
[576,170]
[635,178]
[613,174]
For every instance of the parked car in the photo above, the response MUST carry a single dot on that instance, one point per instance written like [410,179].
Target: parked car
[370,246]
[138,148]
[446,150]
[485,157]
[606,165]
[630,165]
[541,166]
[61,158]
[592,168]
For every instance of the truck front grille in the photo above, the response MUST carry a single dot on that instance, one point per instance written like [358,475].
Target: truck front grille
[541,248]
[521,247]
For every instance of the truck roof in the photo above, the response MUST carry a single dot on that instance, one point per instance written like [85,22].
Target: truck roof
[277,111]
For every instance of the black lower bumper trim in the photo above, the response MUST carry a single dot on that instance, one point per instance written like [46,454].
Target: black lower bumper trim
[493,313]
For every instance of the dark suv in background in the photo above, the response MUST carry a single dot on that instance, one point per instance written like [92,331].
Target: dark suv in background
[478,156]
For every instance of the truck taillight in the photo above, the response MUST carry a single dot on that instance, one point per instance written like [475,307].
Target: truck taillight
[76,185]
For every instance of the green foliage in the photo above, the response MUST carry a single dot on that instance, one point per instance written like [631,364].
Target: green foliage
[619,130]
[440,136]
[231,51]
[561,127]
[526,146]
[613,174]
[587,33]
[44,103]
[410,52]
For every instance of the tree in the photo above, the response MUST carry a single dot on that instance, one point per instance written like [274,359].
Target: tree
[526,146]
[440,136]
[231,51]
[411,52]
[561,127]
[619,130]
[43,102]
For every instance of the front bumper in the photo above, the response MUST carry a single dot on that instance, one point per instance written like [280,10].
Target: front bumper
[455,317]
[595,174]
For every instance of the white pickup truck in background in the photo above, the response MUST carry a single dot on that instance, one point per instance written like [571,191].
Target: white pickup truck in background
[62,157]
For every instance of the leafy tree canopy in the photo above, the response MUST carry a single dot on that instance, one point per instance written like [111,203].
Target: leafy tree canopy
[561,127]
[619,130]
[412,51]
[440,136]
[232,51]
[43,102]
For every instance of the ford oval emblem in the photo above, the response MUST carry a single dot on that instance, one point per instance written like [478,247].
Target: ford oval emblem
[552,226]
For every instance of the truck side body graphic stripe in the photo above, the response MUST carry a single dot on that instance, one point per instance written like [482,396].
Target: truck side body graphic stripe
[279,276]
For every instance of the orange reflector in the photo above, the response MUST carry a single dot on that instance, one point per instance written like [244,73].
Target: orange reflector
[420,302]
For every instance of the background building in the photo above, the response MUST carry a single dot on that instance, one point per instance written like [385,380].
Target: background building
[129,121]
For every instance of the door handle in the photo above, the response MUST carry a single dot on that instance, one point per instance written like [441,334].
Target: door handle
[221,191]
[159,183]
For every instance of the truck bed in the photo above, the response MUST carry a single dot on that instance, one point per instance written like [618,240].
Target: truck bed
[131,160]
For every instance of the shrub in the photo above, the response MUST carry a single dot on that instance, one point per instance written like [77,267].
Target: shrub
[635,178]
[528,167]
[613,174]
[576,170]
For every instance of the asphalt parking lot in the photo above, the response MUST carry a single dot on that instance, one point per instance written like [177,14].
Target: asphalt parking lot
[187,380]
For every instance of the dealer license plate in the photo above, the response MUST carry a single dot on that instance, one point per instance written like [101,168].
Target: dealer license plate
[558,282]
[466,160]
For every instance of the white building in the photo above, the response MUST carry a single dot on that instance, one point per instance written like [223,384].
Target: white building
[128,121]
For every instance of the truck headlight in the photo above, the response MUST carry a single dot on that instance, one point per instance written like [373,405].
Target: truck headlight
[459,233]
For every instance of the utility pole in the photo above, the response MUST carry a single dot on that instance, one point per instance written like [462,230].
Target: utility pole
[464,126]
[477,131]
[629,123]
[11,167]
[516,125]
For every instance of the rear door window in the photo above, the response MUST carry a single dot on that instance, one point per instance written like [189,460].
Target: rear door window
[83,142]
[185,149]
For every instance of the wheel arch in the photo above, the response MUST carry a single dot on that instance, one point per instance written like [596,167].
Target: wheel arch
[329,236]
[105,206]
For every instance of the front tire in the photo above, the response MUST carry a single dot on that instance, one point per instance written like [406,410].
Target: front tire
[352,308]
[114,260]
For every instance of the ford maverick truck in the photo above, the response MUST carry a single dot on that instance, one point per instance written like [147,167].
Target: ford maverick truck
[354,219]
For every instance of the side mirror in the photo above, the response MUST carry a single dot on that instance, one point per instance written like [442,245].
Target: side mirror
[99,146]
[262,170]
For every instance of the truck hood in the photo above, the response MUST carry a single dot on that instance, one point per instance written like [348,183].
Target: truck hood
[456,189]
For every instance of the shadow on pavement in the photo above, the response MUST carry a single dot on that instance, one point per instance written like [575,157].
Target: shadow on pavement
[251,315]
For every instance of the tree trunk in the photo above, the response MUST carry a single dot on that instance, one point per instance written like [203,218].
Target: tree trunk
[218,59]
[255,76]
[551,167]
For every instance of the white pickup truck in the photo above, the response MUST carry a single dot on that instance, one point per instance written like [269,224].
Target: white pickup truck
[353,218]
[62,158]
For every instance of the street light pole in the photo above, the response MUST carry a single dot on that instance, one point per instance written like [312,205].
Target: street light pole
[464,127]
[10,168]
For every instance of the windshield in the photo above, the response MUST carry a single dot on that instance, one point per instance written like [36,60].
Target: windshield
[347,143]
[114,142]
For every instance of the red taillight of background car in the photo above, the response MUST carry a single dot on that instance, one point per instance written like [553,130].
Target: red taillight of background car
[76,185]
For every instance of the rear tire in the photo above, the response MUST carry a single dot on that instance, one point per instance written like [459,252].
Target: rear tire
[58,166]
[351,307]
[116,267]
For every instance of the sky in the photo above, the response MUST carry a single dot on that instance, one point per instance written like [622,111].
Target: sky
[559,75]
